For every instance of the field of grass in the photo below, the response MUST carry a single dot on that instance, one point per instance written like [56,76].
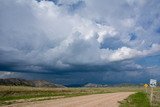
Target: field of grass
[139,99]
[14,94]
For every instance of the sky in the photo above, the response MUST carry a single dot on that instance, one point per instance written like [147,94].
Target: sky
[80,41]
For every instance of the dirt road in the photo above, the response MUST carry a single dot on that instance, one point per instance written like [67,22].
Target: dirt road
[97,100]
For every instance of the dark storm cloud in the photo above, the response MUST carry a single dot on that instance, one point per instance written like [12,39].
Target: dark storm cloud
[74,39]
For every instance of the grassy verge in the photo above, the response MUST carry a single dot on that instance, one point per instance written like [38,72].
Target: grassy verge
[139,99]
[14,94]
[156,99]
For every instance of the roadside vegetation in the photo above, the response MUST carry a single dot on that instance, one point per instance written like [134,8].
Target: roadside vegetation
[139,99]
[15,94]
[156,98]
[142,99]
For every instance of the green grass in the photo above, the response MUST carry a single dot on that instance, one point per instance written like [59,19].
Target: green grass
[139,99]
[14,94]
[156,97]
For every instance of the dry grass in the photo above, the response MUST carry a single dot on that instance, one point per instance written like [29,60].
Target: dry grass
[156,98]
[14,94]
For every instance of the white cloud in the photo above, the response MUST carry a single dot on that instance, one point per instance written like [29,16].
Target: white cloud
[128,22]
[4,74]
[125,53]
[106,31]
[42,33]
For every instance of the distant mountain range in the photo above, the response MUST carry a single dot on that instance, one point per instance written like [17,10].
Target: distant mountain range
[32,83]
[91,85]
[44,83]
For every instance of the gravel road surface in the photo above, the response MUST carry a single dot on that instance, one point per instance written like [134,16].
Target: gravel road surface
[96,100]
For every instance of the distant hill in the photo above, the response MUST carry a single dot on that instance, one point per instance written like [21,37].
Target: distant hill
[91,85]
[114,85]
[75,85]
[32,83]
[127,85]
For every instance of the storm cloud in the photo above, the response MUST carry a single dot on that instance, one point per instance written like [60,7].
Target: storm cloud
[79,38]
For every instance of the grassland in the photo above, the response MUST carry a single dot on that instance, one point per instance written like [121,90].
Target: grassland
[139,99]
[14,94]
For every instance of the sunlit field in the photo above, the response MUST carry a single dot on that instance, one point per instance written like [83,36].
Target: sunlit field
[15,94]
